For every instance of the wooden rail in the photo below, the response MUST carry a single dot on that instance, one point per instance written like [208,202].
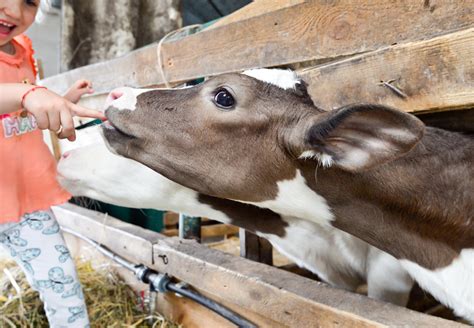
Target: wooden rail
[434,75]
[264,294]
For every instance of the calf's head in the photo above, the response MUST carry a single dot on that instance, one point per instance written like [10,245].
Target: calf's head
[89,169]
[237,135]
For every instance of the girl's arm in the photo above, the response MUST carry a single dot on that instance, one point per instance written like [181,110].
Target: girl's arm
[50,110]
[10,96]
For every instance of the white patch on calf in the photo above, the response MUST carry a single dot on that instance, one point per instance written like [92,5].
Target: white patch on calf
[342,260]
[285,79]
[452,285]
[296,198]
[386,278]
[313,247]
[85,137]
[127,100]
[95,172]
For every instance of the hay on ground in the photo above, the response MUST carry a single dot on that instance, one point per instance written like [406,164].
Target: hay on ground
[110,302]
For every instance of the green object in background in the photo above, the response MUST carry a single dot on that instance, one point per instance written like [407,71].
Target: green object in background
[153,219]
[146,218]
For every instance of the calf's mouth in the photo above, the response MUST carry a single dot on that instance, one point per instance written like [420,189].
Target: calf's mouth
[115,132]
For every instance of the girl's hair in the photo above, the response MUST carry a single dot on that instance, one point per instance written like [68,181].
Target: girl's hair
[46,7]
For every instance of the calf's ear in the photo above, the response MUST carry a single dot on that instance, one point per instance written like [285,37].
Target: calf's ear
[358,137]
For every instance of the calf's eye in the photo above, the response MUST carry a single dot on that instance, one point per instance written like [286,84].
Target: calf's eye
[224,99]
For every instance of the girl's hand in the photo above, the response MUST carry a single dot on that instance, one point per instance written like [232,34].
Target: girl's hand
[78,89]
[55,113]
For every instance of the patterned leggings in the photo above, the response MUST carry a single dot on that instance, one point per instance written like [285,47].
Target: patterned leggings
[38,247]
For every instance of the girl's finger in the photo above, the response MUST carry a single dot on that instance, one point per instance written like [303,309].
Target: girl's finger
[68,125]
[42,120]
[82,84]
[78,110]
[54,120]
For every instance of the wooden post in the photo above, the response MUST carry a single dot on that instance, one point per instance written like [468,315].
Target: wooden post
[255,248]
[190,227]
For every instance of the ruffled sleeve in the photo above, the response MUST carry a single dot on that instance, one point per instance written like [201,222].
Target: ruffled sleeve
[27,45]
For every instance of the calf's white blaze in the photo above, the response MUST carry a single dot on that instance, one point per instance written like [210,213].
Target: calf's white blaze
[128,97]
[127,100]
[285,79]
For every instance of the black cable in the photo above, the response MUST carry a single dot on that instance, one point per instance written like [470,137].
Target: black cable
[211,305]
[162,283]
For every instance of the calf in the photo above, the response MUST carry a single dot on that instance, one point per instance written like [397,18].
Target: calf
[369,170]
[338,258]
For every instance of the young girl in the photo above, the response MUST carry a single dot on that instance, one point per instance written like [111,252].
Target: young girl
[28,187]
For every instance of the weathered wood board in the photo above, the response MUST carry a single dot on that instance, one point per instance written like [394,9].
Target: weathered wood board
[214,230]
[314,30]
[254,9]
[257,291]
[436,74]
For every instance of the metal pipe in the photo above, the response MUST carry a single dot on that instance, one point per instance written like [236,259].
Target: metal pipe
[162,282]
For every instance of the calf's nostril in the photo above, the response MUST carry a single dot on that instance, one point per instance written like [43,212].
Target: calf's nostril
[66,154]
[116,95]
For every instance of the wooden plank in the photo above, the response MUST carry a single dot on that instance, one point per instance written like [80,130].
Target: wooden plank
[220,229]
[170,219]
[256,8]
[132,242]
[252,289]
[138,68]
[209,231]
[284,297]
[314,30]
[436,74]
[254,248]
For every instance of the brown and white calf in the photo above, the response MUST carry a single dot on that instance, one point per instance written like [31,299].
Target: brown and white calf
[338,258]
[372,171]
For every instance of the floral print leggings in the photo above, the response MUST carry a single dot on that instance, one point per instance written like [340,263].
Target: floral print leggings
[38,247]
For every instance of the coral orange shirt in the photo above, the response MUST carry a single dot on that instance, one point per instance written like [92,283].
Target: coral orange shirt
[27,167]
